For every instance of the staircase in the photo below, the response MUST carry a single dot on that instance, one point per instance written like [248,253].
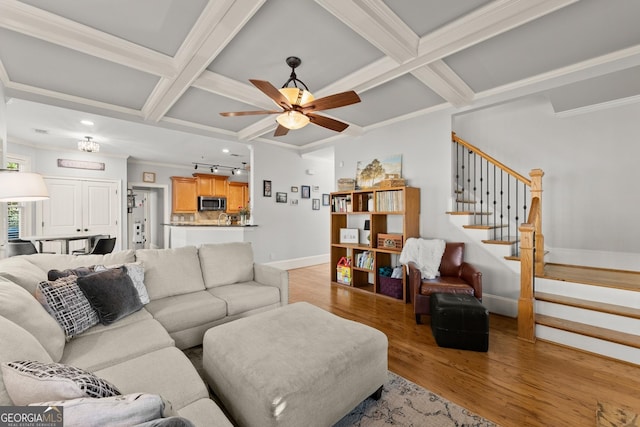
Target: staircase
[592,309]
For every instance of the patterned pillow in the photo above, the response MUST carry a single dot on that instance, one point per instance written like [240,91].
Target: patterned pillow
[64,300]
[29,381]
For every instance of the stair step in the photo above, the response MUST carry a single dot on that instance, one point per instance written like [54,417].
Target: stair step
[501,242]
[618,279]
[589,305]
[512,258]
[589,330]
[467,213]
[483,226]
[471,202]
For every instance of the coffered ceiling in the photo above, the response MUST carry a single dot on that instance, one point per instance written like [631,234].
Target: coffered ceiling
[173,65]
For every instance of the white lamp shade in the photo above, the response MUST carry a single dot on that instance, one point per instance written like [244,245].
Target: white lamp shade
[22,187]
[292,120]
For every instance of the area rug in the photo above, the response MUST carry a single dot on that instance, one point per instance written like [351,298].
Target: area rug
[609,415]
[403,404]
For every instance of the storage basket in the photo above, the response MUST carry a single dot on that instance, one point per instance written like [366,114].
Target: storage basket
[390,241]
[390,287]
[346,184]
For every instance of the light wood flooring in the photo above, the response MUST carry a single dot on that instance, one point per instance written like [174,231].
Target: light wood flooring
[514,384]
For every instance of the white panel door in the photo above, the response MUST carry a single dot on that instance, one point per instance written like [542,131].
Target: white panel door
[62,213]
[80,207]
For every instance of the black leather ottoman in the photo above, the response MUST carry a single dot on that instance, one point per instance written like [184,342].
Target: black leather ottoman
[459,321]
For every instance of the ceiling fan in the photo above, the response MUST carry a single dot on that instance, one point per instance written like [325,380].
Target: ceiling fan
[298,105]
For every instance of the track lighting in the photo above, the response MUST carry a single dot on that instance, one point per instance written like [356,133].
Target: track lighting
[234,170]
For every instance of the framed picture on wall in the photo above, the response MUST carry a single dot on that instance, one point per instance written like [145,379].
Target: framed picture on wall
[315,204]
[281,197]
[325,200]
[306,192]
[266,188]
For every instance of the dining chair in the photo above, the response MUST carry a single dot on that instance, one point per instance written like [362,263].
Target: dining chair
[20,247]
[102,246]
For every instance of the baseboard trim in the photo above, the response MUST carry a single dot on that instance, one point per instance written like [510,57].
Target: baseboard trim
[500,305]
[289,264]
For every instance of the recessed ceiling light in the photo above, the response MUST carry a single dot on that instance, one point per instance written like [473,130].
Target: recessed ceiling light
[86,122]
[225,150]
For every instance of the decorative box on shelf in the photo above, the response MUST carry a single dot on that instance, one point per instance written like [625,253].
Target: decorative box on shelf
[390,241]
[346,184]
[393,182]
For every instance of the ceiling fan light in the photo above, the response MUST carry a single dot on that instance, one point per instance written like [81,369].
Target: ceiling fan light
[296,96]
[292,120]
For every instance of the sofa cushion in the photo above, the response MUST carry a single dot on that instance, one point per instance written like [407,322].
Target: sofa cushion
[111,293]
[171,272]
[186,311]
[167,372]
[241,297]
[32,381]
[226,263]
[132,318]
[22,272]
[112,346]
[135,270]
[205,412]
[19,306]
[68,305]
[17,344]
[113,411]
[48,262]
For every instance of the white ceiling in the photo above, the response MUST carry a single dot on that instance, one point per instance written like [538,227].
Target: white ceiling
[154,74]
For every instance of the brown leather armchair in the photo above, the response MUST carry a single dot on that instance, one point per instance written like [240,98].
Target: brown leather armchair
[456,276]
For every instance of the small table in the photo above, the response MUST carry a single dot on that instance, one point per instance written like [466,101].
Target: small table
[63,239]
[297,365]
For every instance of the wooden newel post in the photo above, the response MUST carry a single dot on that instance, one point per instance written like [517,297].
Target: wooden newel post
[536,193]
[526,315]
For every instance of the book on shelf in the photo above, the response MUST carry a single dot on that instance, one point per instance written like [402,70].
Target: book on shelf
[364,260]
[342,204]
[390,201]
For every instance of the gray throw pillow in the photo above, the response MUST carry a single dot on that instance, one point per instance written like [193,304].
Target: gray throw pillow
[64,300]
[30,381]
[111,293]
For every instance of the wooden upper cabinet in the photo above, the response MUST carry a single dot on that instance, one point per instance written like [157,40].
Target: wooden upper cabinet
[238,195]
[184,195]
[211,185]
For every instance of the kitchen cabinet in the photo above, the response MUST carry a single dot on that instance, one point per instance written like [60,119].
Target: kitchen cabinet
[184,194]
[237,196]
[211,185]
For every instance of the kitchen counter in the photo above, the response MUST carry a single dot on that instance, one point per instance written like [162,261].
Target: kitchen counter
[199,233]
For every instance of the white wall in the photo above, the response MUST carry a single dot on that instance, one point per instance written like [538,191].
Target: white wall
[590,161]
[287,232]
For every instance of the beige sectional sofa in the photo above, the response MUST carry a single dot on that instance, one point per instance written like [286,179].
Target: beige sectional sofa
[190,290]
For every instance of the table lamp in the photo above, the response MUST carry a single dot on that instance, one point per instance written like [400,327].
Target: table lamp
[21,186]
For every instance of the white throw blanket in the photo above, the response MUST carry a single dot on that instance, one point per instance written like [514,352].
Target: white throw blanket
[425,254]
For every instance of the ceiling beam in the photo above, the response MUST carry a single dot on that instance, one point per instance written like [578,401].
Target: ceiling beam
[33,22]
[218,24]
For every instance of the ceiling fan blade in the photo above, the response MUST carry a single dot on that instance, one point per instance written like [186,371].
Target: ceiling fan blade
[249,113]
[332,101]
[328,123]
[280,131]
[273,93]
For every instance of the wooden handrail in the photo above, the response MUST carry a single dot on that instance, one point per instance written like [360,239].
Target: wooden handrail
[490,159]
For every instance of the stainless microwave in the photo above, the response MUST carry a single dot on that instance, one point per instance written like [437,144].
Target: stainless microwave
[206,203]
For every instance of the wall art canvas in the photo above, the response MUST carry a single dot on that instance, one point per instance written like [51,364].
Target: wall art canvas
[370,173]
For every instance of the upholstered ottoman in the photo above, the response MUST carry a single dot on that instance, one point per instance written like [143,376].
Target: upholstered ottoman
[459,321]
[297,365]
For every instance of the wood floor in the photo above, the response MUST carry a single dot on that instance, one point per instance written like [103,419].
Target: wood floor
[514,384]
